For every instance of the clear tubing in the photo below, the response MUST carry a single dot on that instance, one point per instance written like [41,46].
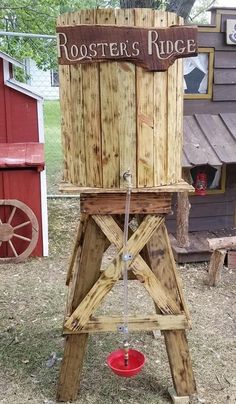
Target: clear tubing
[126,259]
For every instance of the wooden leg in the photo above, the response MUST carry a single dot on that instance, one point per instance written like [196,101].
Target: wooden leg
[87,272]
[216,266]
[163,266]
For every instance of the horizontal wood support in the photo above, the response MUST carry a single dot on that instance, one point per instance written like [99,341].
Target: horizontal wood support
[222,242]
[136,323]
[115,203]
[177,187]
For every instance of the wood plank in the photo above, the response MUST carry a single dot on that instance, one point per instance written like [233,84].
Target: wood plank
[216,266]
[75,345]
[163,266]
[127,107]
[181,186]
[214,40]
[172,141]
[109,277]
[225,76]
[230,121]
[136,323]
[139,267]
[65,100]
[198,106]
[218,136]
[115,203]
[231,259]
[222,62]
[145,122]
[160,116]
[224,92]
[91,115]
[76,247]
[182,222]
[179,114]
[109,93]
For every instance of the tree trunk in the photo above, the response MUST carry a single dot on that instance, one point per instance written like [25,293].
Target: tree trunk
[138,3]
[180,7]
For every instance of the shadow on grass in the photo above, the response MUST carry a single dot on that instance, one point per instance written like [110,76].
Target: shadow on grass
[25,357]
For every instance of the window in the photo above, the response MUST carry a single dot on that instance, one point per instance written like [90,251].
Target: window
[215,177]
[54,78]
[198,74]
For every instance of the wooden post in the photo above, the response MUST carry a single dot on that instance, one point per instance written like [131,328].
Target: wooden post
[215,267]
[183,208]
[87,271]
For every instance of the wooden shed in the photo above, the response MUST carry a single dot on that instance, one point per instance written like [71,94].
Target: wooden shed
[22,174]
[210,136]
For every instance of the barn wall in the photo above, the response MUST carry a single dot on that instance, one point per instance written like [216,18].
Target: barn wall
[211,212]
[224,76]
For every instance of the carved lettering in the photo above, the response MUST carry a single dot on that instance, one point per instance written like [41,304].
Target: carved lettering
[153,49]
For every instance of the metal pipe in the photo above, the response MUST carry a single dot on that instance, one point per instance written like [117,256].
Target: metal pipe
[27,35]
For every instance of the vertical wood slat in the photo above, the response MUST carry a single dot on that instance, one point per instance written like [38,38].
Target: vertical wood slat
[109,113]
[77,119]
[160,116]
[91,114]
[179,113]
[66,133]
[145,96]
[127,106]
[171,105]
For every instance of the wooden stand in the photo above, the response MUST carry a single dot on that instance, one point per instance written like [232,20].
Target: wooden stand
[152,263]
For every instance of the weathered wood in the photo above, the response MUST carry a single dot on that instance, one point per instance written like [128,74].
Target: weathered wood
[225,76]
[154,49]
[136,323]
[222,62]
[160,117]
[215,266]
[91,114]
[224,92]
[109,94]
[87,273]
[222,242]
[127,107]
[180,186]
[182,225]
[115,203]
[144,85]
[172,137]
[163,266]
[231,258]
[139,267]
[109,277]
[76,247]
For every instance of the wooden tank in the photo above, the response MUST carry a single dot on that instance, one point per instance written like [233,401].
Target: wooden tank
[117,116]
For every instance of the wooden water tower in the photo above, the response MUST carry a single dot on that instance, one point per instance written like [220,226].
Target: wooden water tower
[122,110]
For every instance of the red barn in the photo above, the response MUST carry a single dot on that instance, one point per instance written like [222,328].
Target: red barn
[23,206]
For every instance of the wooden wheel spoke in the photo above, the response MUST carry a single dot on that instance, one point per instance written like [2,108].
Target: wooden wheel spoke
[19,226]
[13,248]
[11,215]
[21,237]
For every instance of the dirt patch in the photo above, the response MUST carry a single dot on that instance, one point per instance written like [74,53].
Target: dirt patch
[32,302]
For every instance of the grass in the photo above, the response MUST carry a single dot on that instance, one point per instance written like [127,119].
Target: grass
[53,149]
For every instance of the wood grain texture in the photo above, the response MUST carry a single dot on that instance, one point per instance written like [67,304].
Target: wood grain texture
[127,107]
[91,114]
[172,138]
[216,266]
[136,323]
[145,119]
[160,117]
[87,273]
[109,94]
[115,203]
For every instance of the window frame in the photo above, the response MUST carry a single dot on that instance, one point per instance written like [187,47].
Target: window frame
[208,95]
[220,190]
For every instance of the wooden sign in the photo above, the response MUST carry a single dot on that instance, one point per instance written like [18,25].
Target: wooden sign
[154,49]
[231,32]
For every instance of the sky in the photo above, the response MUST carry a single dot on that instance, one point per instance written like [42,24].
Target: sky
[226,3]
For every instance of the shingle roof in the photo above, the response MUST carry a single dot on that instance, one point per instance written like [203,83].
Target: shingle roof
[209,139]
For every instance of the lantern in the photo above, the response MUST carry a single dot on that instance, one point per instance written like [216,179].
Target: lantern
[200,184]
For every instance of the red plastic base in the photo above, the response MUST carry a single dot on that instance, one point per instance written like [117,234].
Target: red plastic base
[116,362]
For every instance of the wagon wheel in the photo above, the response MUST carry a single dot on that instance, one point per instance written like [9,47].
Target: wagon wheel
[8,232]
